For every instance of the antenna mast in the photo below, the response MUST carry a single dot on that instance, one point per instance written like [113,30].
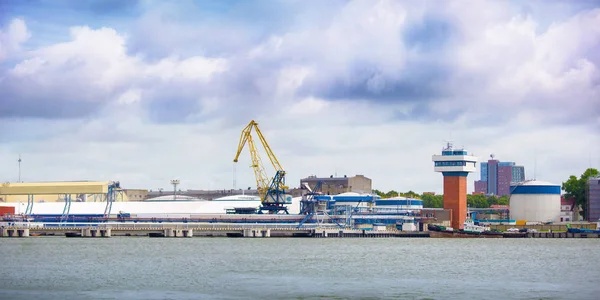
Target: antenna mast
[19,168]
[175,182]
[534,164]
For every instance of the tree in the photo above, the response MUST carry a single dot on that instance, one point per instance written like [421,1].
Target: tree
[503,200]
[410,194]
[378,193]
[391,194]
[432,201]
[576,188]
[491,200]
[477,201]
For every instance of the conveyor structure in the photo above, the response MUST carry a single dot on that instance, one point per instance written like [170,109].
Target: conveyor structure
[106,191]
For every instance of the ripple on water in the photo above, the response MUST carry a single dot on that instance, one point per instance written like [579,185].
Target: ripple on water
[221,268]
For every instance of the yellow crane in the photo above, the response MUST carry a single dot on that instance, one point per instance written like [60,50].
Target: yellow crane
[271,190]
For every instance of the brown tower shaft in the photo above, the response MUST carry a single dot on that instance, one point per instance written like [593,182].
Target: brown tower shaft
[455,198]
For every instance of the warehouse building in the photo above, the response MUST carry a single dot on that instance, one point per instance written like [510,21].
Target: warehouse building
[338,185]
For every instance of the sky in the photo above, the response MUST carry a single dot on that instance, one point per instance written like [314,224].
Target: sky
[143,92]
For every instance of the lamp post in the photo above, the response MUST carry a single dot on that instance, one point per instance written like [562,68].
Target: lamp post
[19,168]
[175,182]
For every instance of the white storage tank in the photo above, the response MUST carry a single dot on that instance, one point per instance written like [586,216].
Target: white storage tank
[535,201]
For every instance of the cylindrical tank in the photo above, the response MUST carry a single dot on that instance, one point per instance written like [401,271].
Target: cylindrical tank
[535,201]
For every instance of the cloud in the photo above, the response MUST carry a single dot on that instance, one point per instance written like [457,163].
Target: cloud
[513,66]
[67,80]
[343,67]
[353,87]
[12,37]
[78,78]
[208,28]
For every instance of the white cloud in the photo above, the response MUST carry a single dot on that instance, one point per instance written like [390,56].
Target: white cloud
[512,65]
[193,68]
[130,96]
[309,107]
[290,79]
[524,93]
[12,37]
[93,70]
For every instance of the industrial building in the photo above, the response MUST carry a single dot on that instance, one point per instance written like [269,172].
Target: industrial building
[203,194]
[497,177]
[593,199]
[135,194]
[77,191]
[455,165]
[338,185]
[535,201]
[126,196]
[400,203]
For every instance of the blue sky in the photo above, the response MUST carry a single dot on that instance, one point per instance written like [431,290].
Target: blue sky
[147,91]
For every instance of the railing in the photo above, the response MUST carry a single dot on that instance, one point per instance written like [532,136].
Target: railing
[155,226]
[49,226]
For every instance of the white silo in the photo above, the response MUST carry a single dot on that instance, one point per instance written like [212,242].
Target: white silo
[535,201]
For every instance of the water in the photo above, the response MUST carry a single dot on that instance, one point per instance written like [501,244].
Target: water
[277,268]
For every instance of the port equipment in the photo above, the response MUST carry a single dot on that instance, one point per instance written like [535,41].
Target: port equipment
[109,191]
[313,207]
[270,190]
[350,212]
[308,204]
[114,191]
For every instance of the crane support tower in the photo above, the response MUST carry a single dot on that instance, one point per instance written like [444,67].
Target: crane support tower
[271,190]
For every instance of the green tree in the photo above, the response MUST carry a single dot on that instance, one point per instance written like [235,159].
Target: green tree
[391,194]
[503,200]
[432,201]
[477,201]
[410,194]
[378,193]
[491,200]
[576,188]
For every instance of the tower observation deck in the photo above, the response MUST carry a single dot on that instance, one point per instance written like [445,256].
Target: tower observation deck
[455,165]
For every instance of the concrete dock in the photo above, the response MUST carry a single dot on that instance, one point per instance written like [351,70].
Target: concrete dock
[551,235]
[204,230]
[236,230]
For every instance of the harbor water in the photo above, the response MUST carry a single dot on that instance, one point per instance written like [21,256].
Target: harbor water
[301,268]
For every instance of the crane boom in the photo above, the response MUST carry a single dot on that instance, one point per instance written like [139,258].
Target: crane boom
[262,180]
[272,156]
[270,190]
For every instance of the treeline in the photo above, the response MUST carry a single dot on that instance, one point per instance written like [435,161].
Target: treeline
[437,201]
[576,188]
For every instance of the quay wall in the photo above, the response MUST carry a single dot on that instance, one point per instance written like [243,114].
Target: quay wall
[553,227]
